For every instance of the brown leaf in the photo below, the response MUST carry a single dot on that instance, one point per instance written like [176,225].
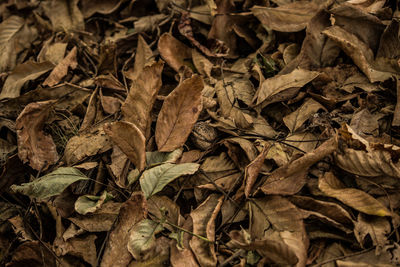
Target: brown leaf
[252,170]
[34,146]
[204,225]
[61,70]
[85,145]
[286,221]
[81,247]
[352,197]
[130,140]
[296,119]
[283,87]
[286,179]
[175,53]
[178,114]
[378,228]
[291,17]
[116,251]
[101,6]
[20,75]
[361,54]
[144,57]
[9,29]
[142,95]
[64,15]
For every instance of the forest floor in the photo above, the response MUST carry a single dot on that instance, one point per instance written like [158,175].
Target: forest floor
[199,133]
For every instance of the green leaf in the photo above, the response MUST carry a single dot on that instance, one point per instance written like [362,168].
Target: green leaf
[142,237]
[155,179]
[157,157]
[89,203]
[51,184]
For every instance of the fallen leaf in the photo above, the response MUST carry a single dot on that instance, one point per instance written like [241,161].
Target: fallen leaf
[175,53]
[51,184]
[204,217]
[8,30]
[178,114]
[291,17]
[34,146]
[61,69]
[352,197]
[116,251]
[20,75]
[155,179]
[283,87]
[142,95]
[130,140]
[142,238]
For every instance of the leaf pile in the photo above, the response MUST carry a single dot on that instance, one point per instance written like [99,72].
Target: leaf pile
[199,133]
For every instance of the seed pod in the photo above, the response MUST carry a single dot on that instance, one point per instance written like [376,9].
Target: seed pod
[203,135]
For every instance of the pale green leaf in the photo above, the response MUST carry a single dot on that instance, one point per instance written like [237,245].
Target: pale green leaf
[142,237]
[89,203]
[155,179]
[51,184]
[157,157]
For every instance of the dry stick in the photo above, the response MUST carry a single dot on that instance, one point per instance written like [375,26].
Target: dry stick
[238,253]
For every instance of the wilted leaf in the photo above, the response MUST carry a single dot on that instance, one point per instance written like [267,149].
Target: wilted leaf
[175,53]
[20,75]
[142,237]
[85,145]
[89,203]
[144,57]
[296,119]
[352,197]
[204,217]
[61,69]
[64,15]
[8,30]
[34,146]
[142,95]
[51,184]
[116,251]
[130,140]
[155,179]
[378,229]
[178,114]
[291,17]
[283,87]
[361,54]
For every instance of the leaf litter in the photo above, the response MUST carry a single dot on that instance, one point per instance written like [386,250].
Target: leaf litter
[199,133]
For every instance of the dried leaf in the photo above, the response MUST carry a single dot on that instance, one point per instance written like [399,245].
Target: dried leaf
[175,53]
[64,15]
[142,95]
[283,87]
[352,197]
[20,75]
[61,69]
[8,29]
[291,17]
[116,252]
[204,225]
[178,114]
[130,140]
[34,146]
[296,119]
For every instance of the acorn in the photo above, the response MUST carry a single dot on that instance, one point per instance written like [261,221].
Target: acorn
[203,135]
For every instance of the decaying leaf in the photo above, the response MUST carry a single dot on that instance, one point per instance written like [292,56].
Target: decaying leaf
[130,140]
[178,114]
[354,198]
[35,146]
